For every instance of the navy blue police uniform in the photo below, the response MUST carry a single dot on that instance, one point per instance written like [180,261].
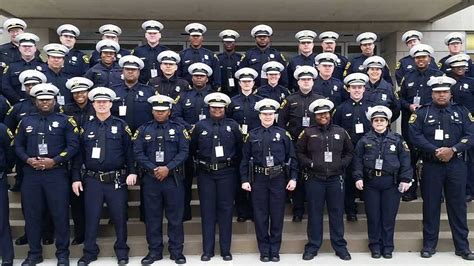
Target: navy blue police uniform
[332,89]
[105,76]
[95,57]
[297,61]
[171,87]
[149,56]
[382,93]
[76,63]
[277,93]
[229,64]
[6,162]
[355,65]
[407,64]
[203,55]
[255,58]
[11,86]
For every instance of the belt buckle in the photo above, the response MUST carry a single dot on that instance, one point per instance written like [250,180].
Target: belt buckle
[101,177]
[214,167]
[267,171]
[378,173]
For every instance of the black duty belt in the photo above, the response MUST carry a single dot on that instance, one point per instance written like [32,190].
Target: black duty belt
[376,173]
[209,167]
[106,177]
[269,171]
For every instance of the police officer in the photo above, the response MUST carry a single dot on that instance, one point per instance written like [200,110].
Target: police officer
[56,73]
[169,83]
[9,52]
[161,147]
[262,53]
[268,161]
[198,54]
[454,41]
[305,56]
[109,32]
[326,84]
[407,63]
[6,162]
[294,116]
[350,115]
[149,52]
[107,72]
[367,48]
[45,142]
[323,178]
[381,168]
[229,62]
[216,143]
[377,90]
[272,89]
[76,62]
[328,43]
[415,92]
[107,154]
[11,86]
[443,132]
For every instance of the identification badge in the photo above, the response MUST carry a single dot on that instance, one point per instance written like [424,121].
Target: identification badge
[439,134]
[305,121]
[417,100]
[270,161]
[122,110]
[231,82]
[43,149]
[60,100]
[219,151]
[95,153]
[244,129]
[378,164]
[328,156]
[359,127]
[202,116]
[160,156]
[153,73]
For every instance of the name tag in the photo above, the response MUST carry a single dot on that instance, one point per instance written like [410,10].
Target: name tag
[160,156]
[219,151]
[122,110]
[359,128]
[439,134]
[95,153]
[43,149]
[328,156]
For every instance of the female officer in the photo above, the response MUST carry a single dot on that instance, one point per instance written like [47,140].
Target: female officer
[382,169]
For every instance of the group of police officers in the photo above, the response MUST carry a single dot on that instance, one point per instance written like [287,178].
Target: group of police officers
[254,129]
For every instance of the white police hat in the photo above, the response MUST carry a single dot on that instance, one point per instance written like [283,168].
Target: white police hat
[217,99]
[328,36]
[55,49]
[32,76]
[131,61]
[305,35]
[195,29]
[326,58]
[410,35]
[421,50]
[69,30]
[356,79]
[374,61]
[101,93]
[169,57]
[459,60]
[27,39]
[246,73]
[305,72]
[229,35]
[44,91]
[261,30]
[273,67]
[321,106]
[77,84]
[267,106]
[12,23]
[378,111]
[454,37]
[110,30]
[161,102]
[200,69]
[441,83]
[107,46]
[152,26]
[366,37]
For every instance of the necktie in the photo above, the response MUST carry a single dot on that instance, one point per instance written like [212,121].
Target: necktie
[101,141]
[445,122]
[215,141]
[130,103]
[41,133]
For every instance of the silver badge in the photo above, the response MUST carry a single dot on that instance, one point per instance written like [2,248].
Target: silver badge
[29,129]
[334,88]
[409,66]
[465,85]
[140,93]
[393,147]
[171,132]
[113,129]
[228,129]
[204,133]
[177,89]
[277,136]
[55,124]
[74,58]
[411,84]
[39,68]
[336,136]
[272,56]
[147,137]
[384,97]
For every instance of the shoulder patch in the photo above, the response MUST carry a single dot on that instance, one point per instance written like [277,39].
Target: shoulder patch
[288,134]
[301,134]
[464,141]
[9,133]
[186,134]
[397,67]
[9,110]
[63,154]
[246,137]
[129,132]
[86,59]
[412,119]
[283,57]
[405,146]
[439,65]
[5,70]
[283,104]
[72,121]
[470,117]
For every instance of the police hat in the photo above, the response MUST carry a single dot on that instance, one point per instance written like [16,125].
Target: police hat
[378,111]
[161,102]
[200,69]
[261,30]
[328,36]
[356,79]
[55,49]
[421,50]
[195,29]
[169,57]
[217,99]
[305,72]
[410,35]
[267,106]
[68,30]
[374,61]
[27,39]
[366,37]
[77,84]
[454,37]
[305,36]
[321,106]
[441,83]
[101,93]
[107,46]
[44,91]
[152,26]
[229,35]
[12,23]
[246,73]
[273,67]
[110,30]
[131,61]
[325,59]
[459,60]
[31,76]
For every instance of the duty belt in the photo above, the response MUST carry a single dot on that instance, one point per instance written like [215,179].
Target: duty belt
[214,166]
[270,171]
[106,177]
[376,173]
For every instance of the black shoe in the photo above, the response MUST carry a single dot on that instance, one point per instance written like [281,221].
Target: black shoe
[264,258]
[15,188]
[7,263]
[32,261]
[309,255]
[241,219]
[22,240]
[297,218]
[63,262]
[375,254]
[468,198]
[77,241]
[48,241]
[425,253]
[344,256]
[465,255]
[83,261]
[227,257]
[409,197]
[122,262]
[179,259]
[351,218]
[387,255]
[205,257]
[275,258]
[151,258]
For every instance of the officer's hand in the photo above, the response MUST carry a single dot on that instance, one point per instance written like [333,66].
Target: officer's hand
[131,179]
[162,172]
[47,163]
[34,162]
[246,186]
[77,187]
[404,186]
[413,107]
[444,154]
[291,185]
[360,184]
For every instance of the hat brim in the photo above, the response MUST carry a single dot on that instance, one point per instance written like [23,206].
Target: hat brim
[68,34]
[246,79]
[326,63]
[421,54]
[328,40]
[110,34]
[308,39]
[228,40]
[169,62]
[31,82]
[459,64]
[355,83]
[102,98]
[199,74]
[441,89]
[79,90]
[268,111]
[27,44]
[108,50]
[322,111]
[273,72]
[45,97]
[161,108]
[217,105]
[366,42]
[152,31]
[56,54]
[195,34]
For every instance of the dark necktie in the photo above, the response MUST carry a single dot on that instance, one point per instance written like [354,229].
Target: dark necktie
[215,141]
[41,133]
[266,141]
[101,141]
[130,103]
[445,126]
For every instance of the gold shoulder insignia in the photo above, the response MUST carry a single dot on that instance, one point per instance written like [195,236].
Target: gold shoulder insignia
[43,57]
[86,59]
[464,141]
[18,127]
[288,134]
[397,67]
[72,121]
[10,134]
[246,137]
[412,119]
[9,110]
[405,146]
[129,132]
[283,104]
[5,70]
[471,117]
[439,65]
[348,65]
[283,57]
[135,136]
[186,134]
[63,154]
[132,51]
[301,134]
